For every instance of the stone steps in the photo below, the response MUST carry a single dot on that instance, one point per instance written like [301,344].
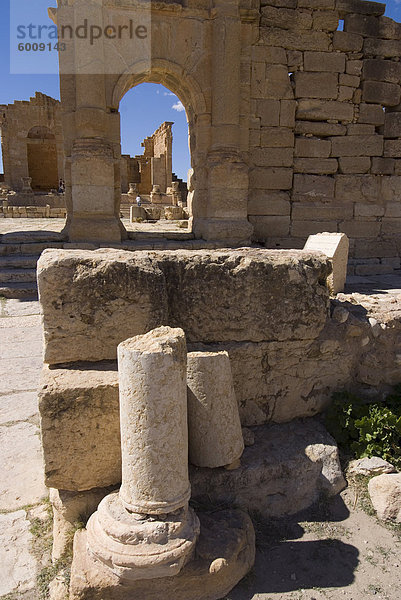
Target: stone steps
[17,275]
[19,290]
[18,261]
[20,251]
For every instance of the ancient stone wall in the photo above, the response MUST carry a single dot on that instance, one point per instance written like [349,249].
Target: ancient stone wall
[32,142]
[326,126]
[290,347]
[156,162]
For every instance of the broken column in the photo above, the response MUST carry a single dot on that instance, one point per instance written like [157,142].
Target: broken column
[215,435]
[143,540]
[147,530]
[336,247]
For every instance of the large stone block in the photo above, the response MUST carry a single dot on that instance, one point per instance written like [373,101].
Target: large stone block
[360,229]
[385,494]
[324,61]
[378,92]
[392,125]
[80,426]
[326,20]
[319,210]
[358,188]
[269,112]
[316,85]
[319,129]
[360,7]
[268,226]
[369,113]
[284,472]
[347,42]
[272,157]
[285,18]
[295,40]
[321,110]
[269,203]
[277,137]
[365,25]
[73,290]
[336,247]
[382,48]
[312,148]
[354,164]
[361,145]
[313,187]
[214,296]
[271,178]
[381,70]
[392,148]
[317,166]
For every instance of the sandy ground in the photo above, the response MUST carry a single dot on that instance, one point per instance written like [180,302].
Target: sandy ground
[56,225]
[337,550]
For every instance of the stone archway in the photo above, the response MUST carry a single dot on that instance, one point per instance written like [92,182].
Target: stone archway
[42,158]
[187,90]
[196,53]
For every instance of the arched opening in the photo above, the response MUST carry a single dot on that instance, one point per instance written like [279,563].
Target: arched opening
[190,104]
[155,154]
[42,158]
[143,110]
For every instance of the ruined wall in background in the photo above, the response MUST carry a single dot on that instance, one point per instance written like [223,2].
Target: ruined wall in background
[325,128]
[156,163]
[32,142]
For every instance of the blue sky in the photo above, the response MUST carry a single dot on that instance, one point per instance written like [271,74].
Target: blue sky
[142,109]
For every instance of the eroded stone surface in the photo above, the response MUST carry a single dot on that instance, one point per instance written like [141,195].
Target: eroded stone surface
[215,296]
[370,466]
[153,422]
[215,436]
[282,473]
[80,426]
[108,302]
[385,494]
[224,554]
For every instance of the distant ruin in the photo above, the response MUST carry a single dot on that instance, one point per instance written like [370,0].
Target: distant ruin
[32,147]
[32,143]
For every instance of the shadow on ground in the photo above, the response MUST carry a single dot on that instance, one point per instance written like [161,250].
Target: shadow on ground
[285,563]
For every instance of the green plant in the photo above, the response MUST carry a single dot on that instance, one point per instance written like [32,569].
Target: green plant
[363,428]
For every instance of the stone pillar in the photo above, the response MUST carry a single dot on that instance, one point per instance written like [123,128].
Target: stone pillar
[133,189]
[26,185]
[228,183]
[213,419]
[154,410]
[94,204]
[147,530]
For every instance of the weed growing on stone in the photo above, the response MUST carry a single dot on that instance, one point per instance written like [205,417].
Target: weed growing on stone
[365,429]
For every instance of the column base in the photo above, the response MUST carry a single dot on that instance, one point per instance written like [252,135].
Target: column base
[95,228]
[224,554]
[236,232]
[135,546]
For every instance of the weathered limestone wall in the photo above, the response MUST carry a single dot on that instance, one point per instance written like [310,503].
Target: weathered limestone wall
[289,349]
[32,212]
[32,142]
[326,126]
[289,346]
[294,125]
[156,163]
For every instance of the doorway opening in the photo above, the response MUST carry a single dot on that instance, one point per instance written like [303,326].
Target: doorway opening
[155,151]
